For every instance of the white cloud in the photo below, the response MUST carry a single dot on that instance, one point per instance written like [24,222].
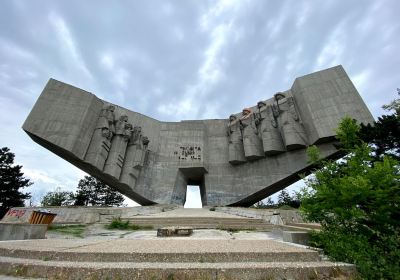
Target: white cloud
[303,14]
[39,176]
[107,61]
[179,34]
[293,58]
[333,49]
[16,51]
[360,80]
[68,45]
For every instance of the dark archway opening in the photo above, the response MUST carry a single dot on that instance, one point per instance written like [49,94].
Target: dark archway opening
[195,190]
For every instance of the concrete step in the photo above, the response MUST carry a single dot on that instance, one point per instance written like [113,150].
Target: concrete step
[156,250]
[202,219]
[172,270]
[211,257]
[306,225]
[166,258]
[264,227]
[201,222]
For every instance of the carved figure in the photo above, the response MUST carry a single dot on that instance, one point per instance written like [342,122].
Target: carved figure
[135,156]
[115,160]
[101,140]
[291,128]
[252,143]
[268,129]
[235,146]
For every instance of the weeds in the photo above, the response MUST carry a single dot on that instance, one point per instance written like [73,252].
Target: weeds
[74,230]
[117,223]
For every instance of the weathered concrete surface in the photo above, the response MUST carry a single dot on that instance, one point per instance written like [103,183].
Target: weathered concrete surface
[84,215]
[174,231]
[298,237]
[273,216]
[224,157]
[167,259]
[12,231]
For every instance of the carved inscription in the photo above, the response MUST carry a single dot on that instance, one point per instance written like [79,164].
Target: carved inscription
[188,152]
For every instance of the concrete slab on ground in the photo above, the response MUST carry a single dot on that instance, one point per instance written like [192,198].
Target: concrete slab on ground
[13,231]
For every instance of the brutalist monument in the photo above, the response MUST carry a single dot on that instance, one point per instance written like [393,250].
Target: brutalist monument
[236,161]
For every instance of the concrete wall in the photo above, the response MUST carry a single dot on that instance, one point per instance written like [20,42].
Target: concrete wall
[82,215]
[197,151]
[10,231]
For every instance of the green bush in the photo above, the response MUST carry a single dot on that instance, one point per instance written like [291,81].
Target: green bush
[117,223]
[357,202]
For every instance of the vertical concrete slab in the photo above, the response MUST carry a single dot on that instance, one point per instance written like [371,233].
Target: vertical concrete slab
[63,118]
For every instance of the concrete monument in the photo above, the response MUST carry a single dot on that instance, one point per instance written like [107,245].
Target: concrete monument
[235,161]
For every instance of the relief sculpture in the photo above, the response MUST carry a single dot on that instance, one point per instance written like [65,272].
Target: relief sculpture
[119,143]
[291,128]
[252,143]
[101,140]
[235,146]
[135,156]
[268,129]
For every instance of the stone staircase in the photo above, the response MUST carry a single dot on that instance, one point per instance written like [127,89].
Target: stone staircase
[207,254]
[202,222]
[173,258]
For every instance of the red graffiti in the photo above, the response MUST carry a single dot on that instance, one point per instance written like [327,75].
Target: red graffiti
[15,212]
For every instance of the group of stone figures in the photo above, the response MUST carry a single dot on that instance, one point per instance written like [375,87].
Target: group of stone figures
[117,147]
[272,129]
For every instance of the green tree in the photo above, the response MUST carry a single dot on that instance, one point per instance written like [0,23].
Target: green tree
[284,198]
[357,202]
[11,182]
[95,193]
[384,134]
[268,204]
[58,198]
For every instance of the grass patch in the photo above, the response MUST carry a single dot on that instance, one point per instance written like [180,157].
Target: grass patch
[74,230]
[234,230]
[286,207]
[117,223]
[228,229]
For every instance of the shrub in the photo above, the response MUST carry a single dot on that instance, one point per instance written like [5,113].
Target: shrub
[356,201]
[117,223]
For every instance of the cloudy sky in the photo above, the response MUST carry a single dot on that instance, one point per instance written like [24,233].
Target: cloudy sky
[175,60]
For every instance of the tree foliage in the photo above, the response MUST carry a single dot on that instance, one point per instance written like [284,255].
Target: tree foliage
[357,202]
[285,199]
[384,135]
[94,192]
[58,198]
[11,182]
[269,204]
